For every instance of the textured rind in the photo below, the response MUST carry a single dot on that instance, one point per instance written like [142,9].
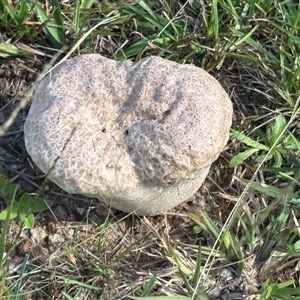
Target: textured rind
[137,136]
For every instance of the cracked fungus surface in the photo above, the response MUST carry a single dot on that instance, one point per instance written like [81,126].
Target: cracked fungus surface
[125,132]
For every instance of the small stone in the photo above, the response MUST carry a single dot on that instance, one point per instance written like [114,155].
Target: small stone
[139,137]
[81,210]
[60,213]
[55,239]
[38,235]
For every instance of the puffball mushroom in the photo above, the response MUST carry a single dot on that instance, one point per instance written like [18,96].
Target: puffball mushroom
[138,136]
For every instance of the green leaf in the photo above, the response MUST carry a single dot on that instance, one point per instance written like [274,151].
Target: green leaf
[23,213]
[29,221]
[247,140]
[13,213]
[241,157]
[8,190]
[278,159]
[40,204]
[276,129]
[26,218]
[291,142]
[295,201]
[263,157]
[25,202]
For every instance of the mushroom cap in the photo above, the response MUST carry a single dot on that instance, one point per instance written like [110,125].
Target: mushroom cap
[140,137]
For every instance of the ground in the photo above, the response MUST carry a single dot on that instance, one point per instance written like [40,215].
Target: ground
[233,239]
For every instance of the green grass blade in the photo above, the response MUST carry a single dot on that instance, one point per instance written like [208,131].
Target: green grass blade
[58,18]
[5,227]
[240,136]
[86,4]
[148,287]
[214,22]
[7,50]
[54,31]
[198,266]
[269,190]
[67,280]
[276,129]
[19,280]
[68,297]
[241,157]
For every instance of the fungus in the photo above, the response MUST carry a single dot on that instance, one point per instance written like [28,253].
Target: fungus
[138,136]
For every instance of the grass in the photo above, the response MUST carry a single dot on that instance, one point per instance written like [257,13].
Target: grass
[247,244]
